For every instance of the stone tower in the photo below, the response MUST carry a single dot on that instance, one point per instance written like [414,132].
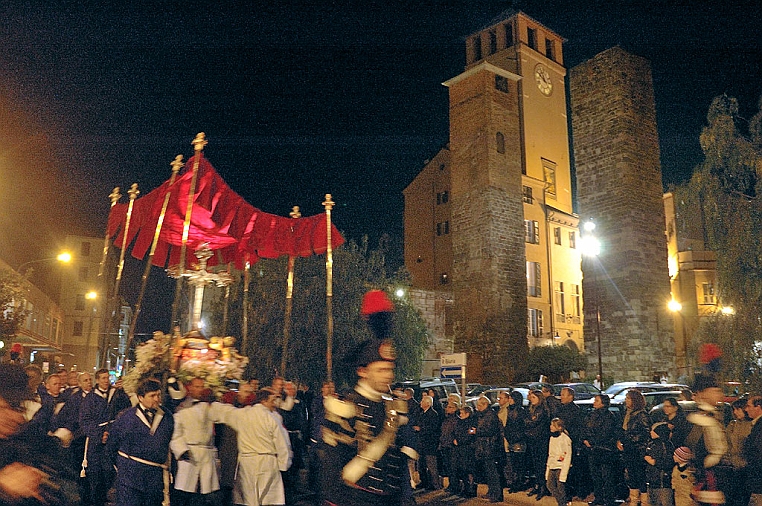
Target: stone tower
[509,173]
[619,186]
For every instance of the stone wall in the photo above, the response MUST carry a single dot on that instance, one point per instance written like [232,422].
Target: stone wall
[619,186]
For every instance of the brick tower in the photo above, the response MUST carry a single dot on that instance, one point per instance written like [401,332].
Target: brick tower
[619,187]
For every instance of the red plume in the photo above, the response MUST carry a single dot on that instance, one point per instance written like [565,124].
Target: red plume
[709,352]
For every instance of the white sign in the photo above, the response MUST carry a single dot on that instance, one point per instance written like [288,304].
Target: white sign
[453,359]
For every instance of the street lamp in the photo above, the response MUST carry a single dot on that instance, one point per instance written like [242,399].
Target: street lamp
[591,248]
[677,308]
[63,257]
[91,296]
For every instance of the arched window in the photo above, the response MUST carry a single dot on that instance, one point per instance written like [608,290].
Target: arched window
[500,142]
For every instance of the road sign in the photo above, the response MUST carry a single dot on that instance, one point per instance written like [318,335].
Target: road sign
[452,371]
[453,359]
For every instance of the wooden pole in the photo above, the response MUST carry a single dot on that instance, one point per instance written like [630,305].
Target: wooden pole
[328,204]
[198,145]
[115,196]
[176,164]
[114,315]
[295,214]
[245,330]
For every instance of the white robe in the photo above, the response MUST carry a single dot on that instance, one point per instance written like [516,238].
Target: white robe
[264,451]
[194,432]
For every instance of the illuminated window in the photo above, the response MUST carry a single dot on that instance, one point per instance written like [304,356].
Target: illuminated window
[575,301]
[549,174]
[534,322]
[532,231]
[557,235]
[79,304]
[573,240]
[534,279]
[708,293]
[528,199]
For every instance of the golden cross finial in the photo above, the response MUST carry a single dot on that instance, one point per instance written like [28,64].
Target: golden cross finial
[199,142]
[133,191]
[295,212]
[328,204]
[115,195]
[177,164]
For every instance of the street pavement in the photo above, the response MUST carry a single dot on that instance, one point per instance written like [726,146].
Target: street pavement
[440,497]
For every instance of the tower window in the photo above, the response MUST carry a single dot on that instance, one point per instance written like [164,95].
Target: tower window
[443,228]
[443,197]
[550,49]
[557,235]
[477,48]
[501,83]
[508,34]
[78,328]
[492,42]
[500,142]
[549,172]
[532,231]
[534,279]
[528,199]
[708,293]
[532,38]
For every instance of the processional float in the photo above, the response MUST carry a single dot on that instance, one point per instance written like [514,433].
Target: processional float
[196,210]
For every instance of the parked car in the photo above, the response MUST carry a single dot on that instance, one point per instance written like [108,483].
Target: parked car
[616,388]
[476,388]
[533,385]
[443,387]
[587,407]
[650,387]
[492,394]
[581,390]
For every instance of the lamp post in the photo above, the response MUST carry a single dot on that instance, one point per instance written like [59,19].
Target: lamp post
[91,296]
[63,257]
[677,308]
[591,248]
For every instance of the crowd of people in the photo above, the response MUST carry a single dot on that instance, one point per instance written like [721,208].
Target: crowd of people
[554,447]
[68,439]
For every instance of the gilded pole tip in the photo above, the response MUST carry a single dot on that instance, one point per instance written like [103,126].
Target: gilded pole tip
[295,212]
[199,142]
[328,204]
[115,195]
[177,164]
[133,191]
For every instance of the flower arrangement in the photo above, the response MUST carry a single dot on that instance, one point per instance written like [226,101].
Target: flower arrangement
[215,361]
[152,358]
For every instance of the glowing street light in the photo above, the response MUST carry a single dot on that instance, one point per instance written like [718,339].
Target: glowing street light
[727,310]
[674,306]
[63,257]
[591,248]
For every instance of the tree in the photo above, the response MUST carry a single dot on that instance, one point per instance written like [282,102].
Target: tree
[11,314]
[555,362]
[727,188]
[356,269]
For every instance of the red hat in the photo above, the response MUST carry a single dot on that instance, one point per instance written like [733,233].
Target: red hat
[376,301]
[16,348]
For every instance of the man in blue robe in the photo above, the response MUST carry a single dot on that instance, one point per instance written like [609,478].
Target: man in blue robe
[139,440]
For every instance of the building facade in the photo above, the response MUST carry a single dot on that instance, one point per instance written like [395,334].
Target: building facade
[489,222]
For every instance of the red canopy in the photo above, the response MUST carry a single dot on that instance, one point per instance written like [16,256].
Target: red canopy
[220,217]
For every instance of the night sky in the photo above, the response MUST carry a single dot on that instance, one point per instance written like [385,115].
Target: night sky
[299,99]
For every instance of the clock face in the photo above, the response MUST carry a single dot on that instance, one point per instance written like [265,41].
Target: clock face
[542,76]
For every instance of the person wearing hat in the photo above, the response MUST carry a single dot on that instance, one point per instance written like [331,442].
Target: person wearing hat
[363,460]
[682,476]
[707,441]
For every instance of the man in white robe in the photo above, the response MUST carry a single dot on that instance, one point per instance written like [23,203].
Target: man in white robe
[263,451]
[193,446]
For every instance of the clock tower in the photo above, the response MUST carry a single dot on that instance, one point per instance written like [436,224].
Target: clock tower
[507,227]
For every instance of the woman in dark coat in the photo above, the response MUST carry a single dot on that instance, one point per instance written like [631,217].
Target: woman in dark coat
[600,436]
[637,434]
[515,433]
[464,444]
[537,427]
[489,441]
[676,420]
